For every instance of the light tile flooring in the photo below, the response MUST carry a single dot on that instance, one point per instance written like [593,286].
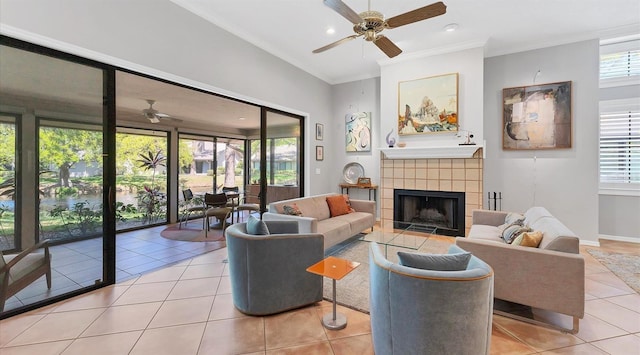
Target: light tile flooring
[78,264]
[187,309]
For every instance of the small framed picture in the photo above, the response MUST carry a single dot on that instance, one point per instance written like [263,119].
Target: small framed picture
[319,152]
[319,131]
[364,181]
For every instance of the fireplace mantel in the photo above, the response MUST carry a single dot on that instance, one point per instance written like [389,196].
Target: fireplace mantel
[431,152]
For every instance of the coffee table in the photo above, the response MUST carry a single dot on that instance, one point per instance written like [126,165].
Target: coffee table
[400,234]
[335,269]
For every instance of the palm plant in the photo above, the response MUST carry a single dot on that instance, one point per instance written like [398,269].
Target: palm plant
[149,200]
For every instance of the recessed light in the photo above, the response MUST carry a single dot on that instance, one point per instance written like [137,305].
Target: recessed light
[451,27]
[241,118]
[331,31]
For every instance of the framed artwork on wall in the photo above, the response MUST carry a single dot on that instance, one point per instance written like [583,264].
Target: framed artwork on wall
[319,152]
[537,116]
[358,132]
[319,131]
[428,105]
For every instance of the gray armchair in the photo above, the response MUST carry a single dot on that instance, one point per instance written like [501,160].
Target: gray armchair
[415,311]
[268,272]
[20,270]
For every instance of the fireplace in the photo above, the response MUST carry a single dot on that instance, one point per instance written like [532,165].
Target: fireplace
[423,210]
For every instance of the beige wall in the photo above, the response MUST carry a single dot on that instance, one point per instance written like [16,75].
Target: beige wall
[453,175]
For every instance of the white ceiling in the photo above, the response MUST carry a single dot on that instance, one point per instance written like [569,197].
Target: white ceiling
[291,29]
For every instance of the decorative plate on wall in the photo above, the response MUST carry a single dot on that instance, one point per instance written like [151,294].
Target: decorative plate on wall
[352,172]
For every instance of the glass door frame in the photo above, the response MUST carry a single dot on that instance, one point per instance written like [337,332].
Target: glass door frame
[108,159]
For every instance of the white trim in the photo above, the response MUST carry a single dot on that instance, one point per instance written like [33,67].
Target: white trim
[431,152]
[616,82]
[619,238]
[612,191]
[589,243]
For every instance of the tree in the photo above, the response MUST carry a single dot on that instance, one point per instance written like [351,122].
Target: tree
[232,153]
[64,147]
[7,146]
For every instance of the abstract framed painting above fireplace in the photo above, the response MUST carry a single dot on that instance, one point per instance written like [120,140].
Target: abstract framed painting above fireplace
[426,210]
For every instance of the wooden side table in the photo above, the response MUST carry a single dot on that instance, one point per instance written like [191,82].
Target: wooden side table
[372,189]
[335,269]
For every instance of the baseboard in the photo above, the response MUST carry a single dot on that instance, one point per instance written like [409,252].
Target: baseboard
[619,238]
[590,243]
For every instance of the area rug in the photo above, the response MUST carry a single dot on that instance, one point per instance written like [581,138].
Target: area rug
[353,290]
[625,266]
[192,234]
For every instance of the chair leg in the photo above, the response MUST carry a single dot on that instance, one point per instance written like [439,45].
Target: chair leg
[48,275]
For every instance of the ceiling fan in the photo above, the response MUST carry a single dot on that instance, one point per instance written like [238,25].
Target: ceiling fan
[153,115]
[369,24]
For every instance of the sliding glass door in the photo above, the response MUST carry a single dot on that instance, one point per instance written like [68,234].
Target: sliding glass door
[54,192]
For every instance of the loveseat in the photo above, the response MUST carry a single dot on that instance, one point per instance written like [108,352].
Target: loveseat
[549,276]
[316,217]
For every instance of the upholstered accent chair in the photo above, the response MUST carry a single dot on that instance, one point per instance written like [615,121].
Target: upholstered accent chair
[268,272]
[417,311]
[18,271]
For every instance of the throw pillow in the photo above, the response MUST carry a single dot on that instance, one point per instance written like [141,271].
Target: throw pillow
[256,226]
[514,218]
[338,205]
[529,239]
[292,210]
[346,198]
[513,231]
[438,262]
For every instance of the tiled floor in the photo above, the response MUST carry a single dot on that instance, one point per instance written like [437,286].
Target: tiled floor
[78,264]
[187,309]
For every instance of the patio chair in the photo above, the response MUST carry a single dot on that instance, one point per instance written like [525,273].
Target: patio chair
[244,206]
[20,270]
[190,208]
[216,207]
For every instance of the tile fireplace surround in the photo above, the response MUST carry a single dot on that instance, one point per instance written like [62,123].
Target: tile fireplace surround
[436,174]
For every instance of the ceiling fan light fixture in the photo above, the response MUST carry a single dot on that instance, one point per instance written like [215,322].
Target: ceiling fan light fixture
[153,119]
[451,27]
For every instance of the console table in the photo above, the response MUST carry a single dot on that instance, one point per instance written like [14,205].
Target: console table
[372,189]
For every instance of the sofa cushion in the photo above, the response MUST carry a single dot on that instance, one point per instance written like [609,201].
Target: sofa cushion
[334,230]
[485,232]
[552,229]
[292,210]
[514,218]
[338,205]
[533,214]
[438,262]
[358,221]
[256,226]
[528,239]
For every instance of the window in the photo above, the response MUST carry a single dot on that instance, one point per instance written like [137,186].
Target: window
[620,143]
[620,63]
[619,139]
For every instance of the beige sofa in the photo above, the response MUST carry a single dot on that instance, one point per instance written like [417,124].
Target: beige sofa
[316,217]
[550,277]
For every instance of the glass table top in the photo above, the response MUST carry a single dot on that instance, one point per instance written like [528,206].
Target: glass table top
[400,234]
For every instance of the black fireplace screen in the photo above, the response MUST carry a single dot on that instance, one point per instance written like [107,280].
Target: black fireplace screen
[426,210]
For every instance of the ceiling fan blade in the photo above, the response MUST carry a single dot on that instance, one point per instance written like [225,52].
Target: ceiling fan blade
[344,10]
[336,43]
[423,13]
[389,48]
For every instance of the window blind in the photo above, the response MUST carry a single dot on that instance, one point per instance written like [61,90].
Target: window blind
[620,145]
[620,64]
